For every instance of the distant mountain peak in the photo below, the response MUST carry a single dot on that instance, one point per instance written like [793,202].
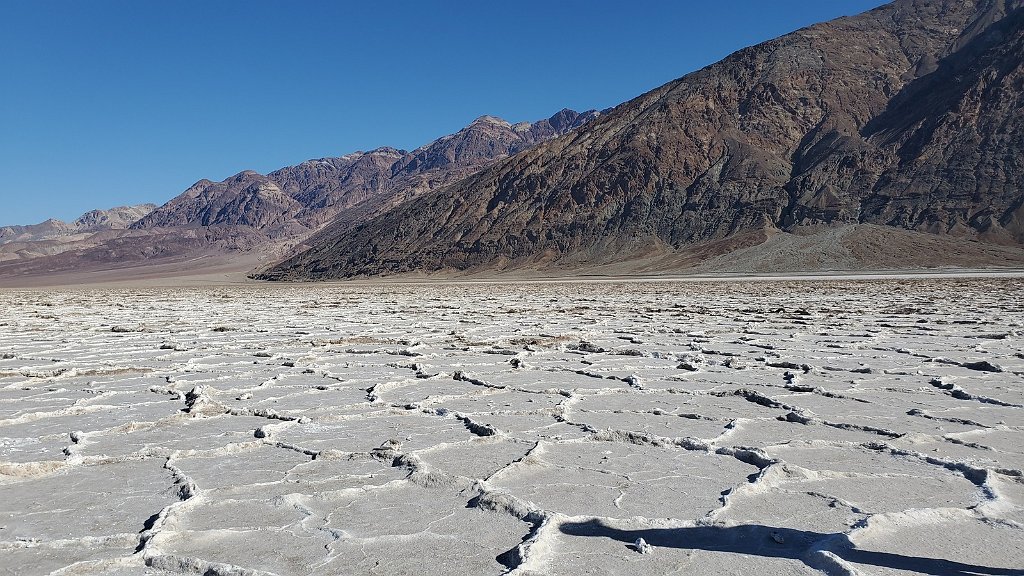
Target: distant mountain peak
[387,151]
[487,119]
[246,174]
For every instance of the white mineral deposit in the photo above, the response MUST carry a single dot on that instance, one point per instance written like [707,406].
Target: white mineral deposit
[745,427]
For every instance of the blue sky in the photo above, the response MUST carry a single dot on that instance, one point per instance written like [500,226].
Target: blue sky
[104,103]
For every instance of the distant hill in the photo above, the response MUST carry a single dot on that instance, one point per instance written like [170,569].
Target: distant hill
[93,221]
[909,118]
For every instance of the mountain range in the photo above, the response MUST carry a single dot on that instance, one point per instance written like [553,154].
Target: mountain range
[901,122]
[267,216]
[52,236]
[890,139]
[115,218]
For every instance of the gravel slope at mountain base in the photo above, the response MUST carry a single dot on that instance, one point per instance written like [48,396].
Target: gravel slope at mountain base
[846,249]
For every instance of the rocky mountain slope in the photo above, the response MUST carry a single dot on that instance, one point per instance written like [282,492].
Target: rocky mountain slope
[268,213]
[308,195]
[908,116]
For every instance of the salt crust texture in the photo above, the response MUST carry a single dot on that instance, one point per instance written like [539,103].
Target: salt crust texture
[782,427]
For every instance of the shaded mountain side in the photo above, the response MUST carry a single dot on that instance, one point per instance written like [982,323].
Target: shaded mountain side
[906,116]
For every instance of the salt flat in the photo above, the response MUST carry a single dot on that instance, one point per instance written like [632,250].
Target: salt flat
[786,427]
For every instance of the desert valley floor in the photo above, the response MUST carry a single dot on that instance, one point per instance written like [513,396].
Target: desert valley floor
[737,427]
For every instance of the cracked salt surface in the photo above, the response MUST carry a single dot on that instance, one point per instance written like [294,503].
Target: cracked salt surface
[785,427]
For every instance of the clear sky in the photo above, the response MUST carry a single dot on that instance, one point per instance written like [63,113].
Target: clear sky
[104,103]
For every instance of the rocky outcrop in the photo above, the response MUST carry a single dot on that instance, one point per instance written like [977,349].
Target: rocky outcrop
[907,116]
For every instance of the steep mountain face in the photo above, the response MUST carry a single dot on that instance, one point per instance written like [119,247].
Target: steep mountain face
[306,196]
[906,116]
[117,218]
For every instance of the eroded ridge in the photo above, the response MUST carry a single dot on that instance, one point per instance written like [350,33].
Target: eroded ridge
[838,427]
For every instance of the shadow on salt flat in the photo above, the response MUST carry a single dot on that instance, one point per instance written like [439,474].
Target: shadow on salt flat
[768,542]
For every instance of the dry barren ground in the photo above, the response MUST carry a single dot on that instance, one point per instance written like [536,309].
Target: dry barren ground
[774,427]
